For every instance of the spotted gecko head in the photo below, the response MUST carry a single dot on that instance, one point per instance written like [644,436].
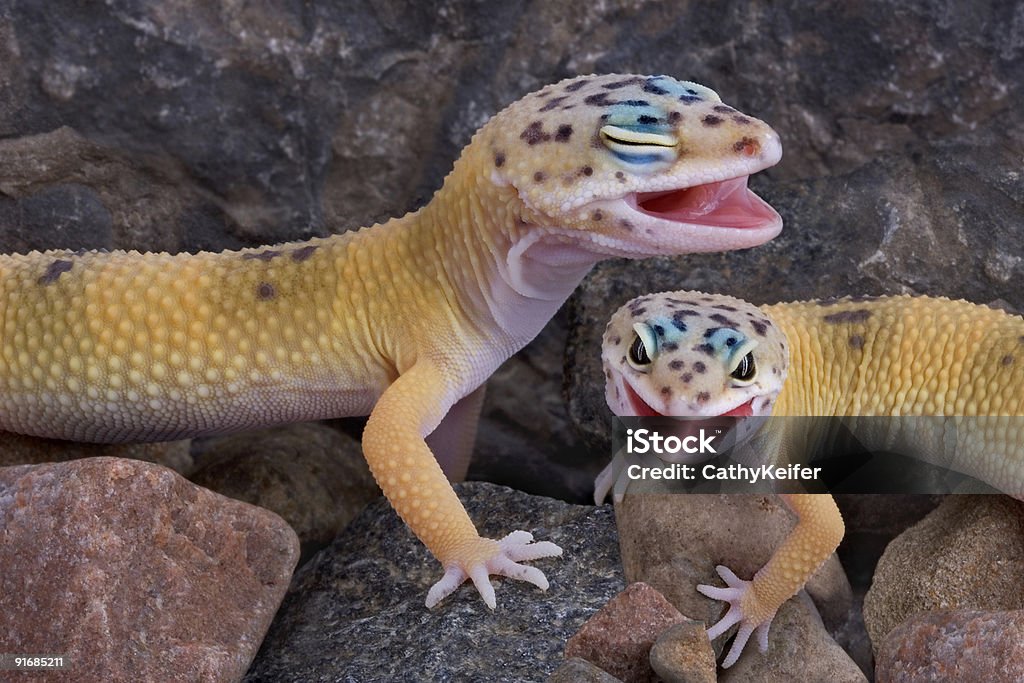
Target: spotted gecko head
[692,354]
[643,165]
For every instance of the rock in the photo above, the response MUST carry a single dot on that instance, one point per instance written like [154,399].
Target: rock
[967,554]
[620,636]
[674,542]
[946,644]
[135,573]
[929,224]
[683,654]
[17,449]
[799,649]
[355,611]
[313,476]
[576,670]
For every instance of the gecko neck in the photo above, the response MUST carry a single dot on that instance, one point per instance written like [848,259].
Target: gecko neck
[514,273]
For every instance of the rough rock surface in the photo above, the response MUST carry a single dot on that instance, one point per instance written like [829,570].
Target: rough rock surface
[674,542]
[355,611]
[313,476]
[16,449]
[619,637]
[968,554]
[799,649]
[683,654]
[576,670]
[954,645]
[135,573]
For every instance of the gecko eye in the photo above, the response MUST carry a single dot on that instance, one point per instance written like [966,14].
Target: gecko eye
[638,352]
[615,136]
[746,370]
[643,348]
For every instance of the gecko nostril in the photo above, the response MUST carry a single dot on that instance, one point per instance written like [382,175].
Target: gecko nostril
[748,147]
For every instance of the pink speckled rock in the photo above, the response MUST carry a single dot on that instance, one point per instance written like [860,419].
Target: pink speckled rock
[135,573]
[954,645]
[619,637]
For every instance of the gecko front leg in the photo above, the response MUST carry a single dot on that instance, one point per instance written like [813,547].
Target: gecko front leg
[753,604]
[407,472]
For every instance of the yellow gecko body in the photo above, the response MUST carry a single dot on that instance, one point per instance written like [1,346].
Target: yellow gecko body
[688,353]
[403,321]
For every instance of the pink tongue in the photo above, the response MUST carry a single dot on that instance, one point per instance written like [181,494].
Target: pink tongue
[727,204]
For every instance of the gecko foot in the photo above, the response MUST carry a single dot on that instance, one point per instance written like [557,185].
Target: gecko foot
[743,610]
[478,560]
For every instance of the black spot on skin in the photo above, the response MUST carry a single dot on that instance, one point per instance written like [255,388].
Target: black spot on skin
[686,311]
[670,347]
[677,321]
[539,176]
[723,320]
[573,87]
[638,302]
[622,361]
[711,120]
[675,117]
[616,341]
[856,341]
[534,133]
[262,256]
[1007,360]
[748,146]
[599,100]
[703,397]
[587,171]
[666,391]
[622,84]
[686,378]
[707,349]
[723,307]
[636,103]
[654,89]
[620,175]
[645,119]
[54,271]
[597,215]
[700,367]
[303,254]
[759,326]
[564,133]
[854,316]
[677,364]
[742,120]
[637,312]
[659,330]
[690,99]
[722,109]
[626,225]
[731,341]
[553,102]
[499,159]
[265,291]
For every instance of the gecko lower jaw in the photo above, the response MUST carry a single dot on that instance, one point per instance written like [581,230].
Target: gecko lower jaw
[641,408]
[725,204]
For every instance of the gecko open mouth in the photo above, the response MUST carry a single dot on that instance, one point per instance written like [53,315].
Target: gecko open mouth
[723,204]
[641,408]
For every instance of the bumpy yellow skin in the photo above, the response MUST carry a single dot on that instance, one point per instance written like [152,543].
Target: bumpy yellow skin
[895,356]
[402,321]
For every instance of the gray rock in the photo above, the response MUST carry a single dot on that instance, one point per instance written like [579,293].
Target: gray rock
[17,449]
[355,611]
[576,670]
[967,554]
[683,654]
[313,476]
[986,646]
[134,573]
[799,649]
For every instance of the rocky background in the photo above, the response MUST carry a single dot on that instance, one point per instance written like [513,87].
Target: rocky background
[184,125]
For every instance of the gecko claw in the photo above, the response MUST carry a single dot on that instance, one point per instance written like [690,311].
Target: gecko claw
[742,611]
[499,557]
